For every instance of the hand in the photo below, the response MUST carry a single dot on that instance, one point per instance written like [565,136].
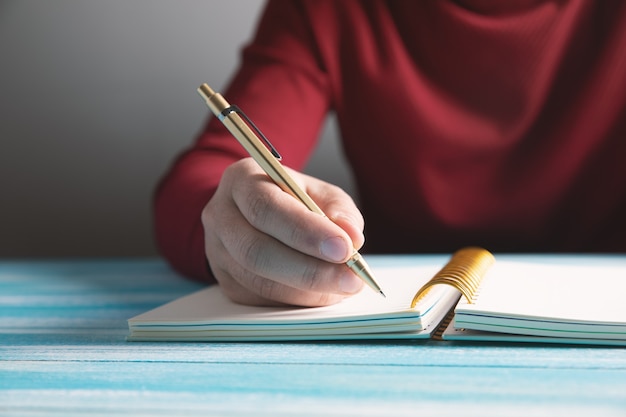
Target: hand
[265,247]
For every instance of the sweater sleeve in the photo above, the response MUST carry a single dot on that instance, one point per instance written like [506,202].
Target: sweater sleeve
[282,86]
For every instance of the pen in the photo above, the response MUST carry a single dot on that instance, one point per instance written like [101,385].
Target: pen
[262,151]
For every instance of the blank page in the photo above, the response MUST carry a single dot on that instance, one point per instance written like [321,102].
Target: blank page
[563,293]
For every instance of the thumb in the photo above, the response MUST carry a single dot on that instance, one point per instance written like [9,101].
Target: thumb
[352,227]
[339,207]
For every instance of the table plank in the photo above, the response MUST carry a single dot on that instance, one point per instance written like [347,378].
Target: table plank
[63,351]
[405,387]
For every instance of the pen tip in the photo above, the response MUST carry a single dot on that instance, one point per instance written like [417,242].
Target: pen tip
[383,294]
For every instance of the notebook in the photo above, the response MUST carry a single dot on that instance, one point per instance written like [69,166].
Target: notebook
[472,297]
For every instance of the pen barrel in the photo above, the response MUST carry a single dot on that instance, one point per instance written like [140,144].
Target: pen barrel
[255,147]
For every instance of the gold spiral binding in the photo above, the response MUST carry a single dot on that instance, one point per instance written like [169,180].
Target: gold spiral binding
[464,271]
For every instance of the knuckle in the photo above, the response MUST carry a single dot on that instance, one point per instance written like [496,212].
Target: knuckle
[251,253]
[311,277]
[208,216]
[338,191]
[208,211]
[264,287]
[302,237]
[259,208]
[325,299]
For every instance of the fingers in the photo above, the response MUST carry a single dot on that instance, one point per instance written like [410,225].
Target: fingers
[271,270]
[339,207]
[270,210]
[257,290]
[265,247]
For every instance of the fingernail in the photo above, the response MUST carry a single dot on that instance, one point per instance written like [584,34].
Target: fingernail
[334,249]
[349,283]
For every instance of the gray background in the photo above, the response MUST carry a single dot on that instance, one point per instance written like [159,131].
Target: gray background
[96,99]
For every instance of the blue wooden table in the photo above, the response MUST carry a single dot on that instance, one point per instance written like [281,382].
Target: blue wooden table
[63,351]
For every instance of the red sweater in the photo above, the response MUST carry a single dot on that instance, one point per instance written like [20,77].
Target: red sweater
[493,123]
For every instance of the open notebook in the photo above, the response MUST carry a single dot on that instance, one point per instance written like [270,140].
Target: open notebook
[472,297]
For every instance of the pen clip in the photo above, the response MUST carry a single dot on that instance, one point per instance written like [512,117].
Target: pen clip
[235,109]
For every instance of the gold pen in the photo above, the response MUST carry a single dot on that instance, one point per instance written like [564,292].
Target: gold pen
[262,151]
